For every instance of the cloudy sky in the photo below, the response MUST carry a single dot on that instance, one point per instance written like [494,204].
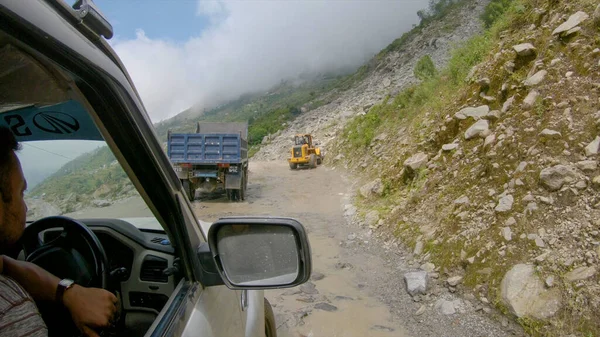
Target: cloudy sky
[181,53]
[186,52]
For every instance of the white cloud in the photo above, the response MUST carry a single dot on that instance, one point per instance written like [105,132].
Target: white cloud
[252,45]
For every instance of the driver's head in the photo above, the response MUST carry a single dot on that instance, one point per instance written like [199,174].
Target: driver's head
[13,210]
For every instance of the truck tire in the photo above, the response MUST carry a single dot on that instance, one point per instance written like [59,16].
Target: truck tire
[232,195]
[244,184]
[312,161]
[319,160]
[270,327]
[293,166]
[189,191]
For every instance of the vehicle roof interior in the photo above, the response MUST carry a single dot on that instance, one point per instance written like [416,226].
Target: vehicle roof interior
[25,81]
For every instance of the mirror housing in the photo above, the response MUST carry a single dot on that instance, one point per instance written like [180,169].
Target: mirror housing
[257,253]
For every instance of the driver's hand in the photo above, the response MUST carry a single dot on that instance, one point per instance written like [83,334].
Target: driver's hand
[90,308]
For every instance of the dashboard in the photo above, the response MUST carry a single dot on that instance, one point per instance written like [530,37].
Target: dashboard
[141,266]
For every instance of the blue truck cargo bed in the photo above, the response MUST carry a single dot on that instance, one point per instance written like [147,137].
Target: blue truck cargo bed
[199,148]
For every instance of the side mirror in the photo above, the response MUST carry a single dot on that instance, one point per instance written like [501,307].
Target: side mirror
[260,252]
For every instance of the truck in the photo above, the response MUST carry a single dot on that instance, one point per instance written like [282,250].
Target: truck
[214,159]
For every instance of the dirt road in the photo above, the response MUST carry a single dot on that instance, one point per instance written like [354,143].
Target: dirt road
[357,287]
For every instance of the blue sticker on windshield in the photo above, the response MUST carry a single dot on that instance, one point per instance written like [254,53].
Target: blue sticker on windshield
[67,120]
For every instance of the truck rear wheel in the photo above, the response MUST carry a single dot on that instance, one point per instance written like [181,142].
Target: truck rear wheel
[242,190]
[293,166]
[233,195]
[312,161]
[189,191]
[319,160]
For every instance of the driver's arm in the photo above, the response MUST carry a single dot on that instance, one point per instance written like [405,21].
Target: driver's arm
[89,307]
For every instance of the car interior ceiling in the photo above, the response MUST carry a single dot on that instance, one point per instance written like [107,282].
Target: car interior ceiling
[137,259]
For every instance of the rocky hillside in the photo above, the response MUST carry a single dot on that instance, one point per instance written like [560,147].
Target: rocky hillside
[487,169]
[384,76]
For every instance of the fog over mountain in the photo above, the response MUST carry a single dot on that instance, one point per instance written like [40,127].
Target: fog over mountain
[253,45]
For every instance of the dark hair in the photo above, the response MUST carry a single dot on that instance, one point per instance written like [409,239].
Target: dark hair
[8,144]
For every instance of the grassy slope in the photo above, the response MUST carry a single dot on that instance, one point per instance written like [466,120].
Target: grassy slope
[415,207]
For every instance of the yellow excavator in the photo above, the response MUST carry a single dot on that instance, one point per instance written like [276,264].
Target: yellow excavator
[304,152]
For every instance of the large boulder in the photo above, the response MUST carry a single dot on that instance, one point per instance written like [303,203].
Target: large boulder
[573,21]
[553,178]
[374,188]
[525,296]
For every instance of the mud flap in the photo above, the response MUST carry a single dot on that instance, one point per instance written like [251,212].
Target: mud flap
[233,181]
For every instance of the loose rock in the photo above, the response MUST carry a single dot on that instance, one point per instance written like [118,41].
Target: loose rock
[454,281]
[445,307]
[539,242]
[309,288]
[536,79]
[416,161]
[530,100]
[481,128]
[506,232]
[555,177]
[428,267]
[593,147]
[489,140]
[573,21]
[418,248]
[463,200]
[449,147]
[596,181]
[508,104]
[525,49]
[587,165]
[326,307]
[316,276]
[524,294]
[581,273]
[550,134]
[416,282]
[374,188]
[421,310]
[475,113]
[505,204]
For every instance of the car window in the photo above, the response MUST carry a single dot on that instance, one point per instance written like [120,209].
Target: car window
[69,168]
[80,179]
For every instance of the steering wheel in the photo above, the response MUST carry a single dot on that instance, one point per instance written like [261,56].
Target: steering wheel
[74,253]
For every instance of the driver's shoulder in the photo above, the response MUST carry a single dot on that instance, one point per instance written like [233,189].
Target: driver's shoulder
[18,313]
